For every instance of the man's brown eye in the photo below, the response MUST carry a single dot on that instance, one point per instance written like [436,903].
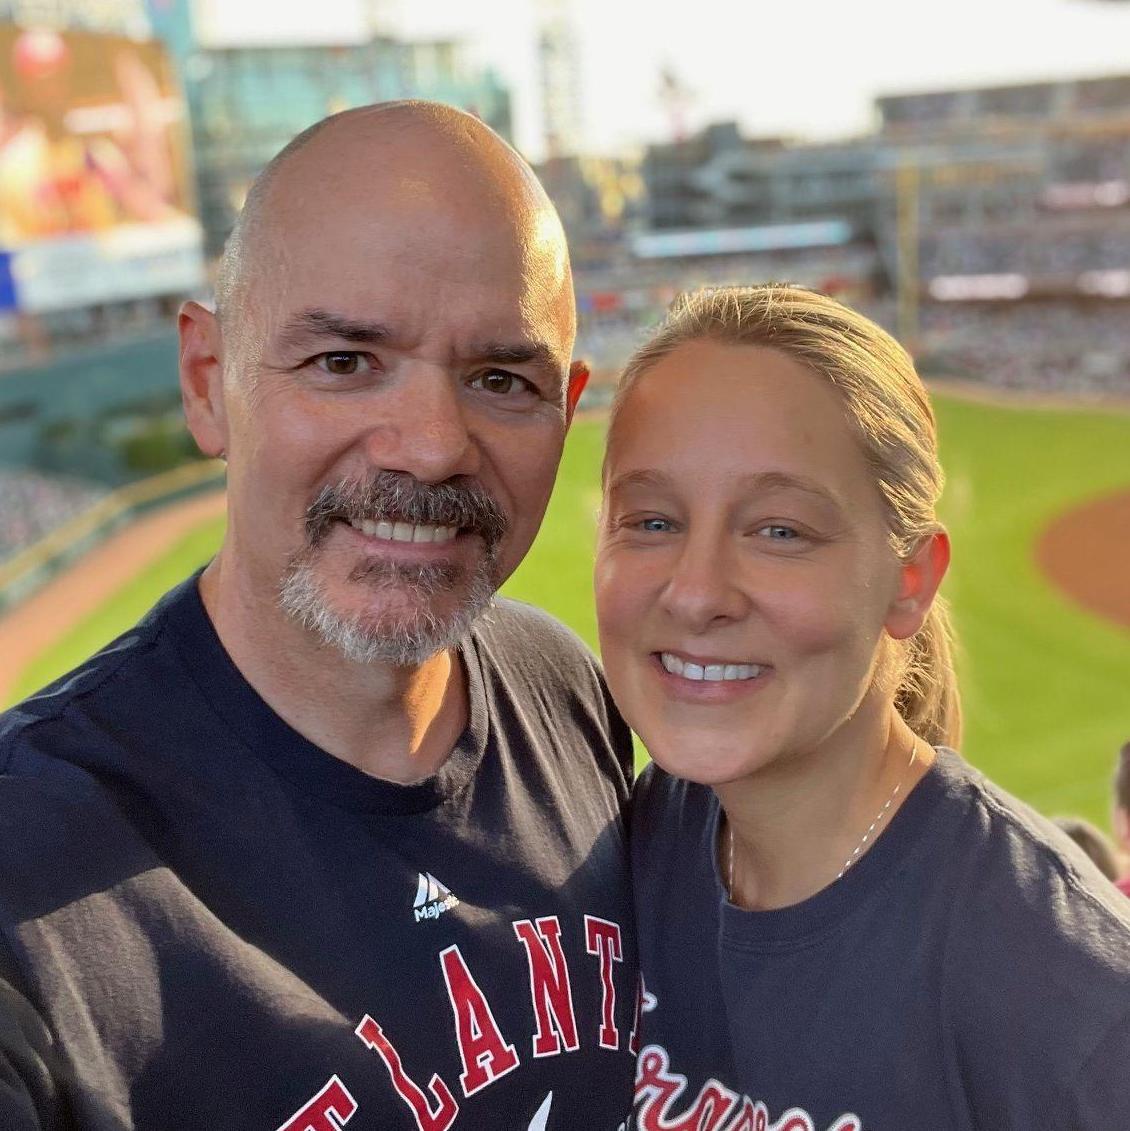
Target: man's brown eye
[341,364]
[498,382]
[502,384]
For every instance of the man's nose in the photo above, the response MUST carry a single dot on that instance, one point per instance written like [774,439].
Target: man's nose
[704,587]
[425,430]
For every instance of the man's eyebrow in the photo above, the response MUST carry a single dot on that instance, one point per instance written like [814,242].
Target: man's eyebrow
[516,353]
[316,323]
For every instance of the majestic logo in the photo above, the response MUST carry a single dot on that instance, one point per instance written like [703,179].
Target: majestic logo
[432,898]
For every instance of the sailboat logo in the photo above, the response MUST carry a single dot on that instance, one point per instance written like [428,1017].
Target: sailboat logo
[432,898]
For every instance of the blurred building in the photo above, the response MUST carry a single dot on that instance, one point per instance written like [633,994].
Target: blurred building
[248,102]
[990,228]
[1034,154]
[1015,206]
[1030,181]
[598,200]
[559,78]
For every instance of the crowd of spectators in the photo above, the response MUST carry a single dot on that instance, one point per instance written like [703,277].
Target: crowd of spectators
[619,303]
[33,504]
[1053,251]
[1073,348]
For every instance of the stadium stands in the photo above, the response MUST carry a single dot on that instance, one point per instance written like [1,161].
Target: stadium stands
[1074,349]
[32,504]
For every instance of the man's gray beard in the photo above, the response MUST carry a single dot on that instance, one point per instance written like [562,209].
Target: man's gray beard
[387,638]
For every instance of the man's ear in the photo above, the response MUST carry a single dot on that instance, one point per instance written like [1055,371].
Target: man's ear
[201,378]
[578,379]
[919,578]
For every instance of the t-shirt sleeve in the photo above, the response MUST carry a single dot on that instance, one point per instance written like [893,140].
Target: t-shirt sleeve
[1100,1097]
[30,1072]
[545,662]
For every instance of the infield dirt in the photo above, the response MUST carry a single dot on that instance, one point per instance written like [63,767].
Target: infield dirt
[1086,550]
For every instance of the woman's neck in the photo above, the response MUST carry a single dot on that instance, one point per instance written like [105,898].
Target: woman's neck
[791,829]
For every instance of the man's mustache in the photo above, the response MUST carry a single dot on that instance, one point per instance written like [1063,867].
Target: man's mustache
[396,496]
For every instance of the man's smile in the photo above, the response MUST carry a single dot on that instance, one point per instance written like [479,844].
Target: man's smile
[404,531]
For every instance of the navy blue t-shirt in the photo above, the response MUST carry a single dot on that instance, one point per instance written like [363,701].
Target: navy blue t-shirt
[208,922]
[971,971]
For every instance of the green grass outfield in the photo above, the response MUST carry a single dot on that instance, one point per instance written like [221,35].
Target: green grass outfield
[1046,684]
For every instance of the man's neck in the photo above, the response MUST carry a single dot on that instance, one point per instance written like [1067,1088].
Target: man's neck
[395,723]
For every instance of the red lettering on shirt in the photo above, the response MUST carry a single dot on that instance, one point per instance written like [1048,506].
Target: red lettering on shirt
[428,1118]
[550,989]
[603,938]
[486,1056]
[330,1110]
[658,1089]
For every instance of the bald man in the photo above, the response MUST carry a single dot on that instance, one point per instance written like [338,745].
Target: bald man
[333,837]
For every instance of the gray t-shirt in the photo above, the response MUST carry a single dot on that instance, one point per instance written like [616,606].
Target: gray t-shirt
[972,971]
[208,922]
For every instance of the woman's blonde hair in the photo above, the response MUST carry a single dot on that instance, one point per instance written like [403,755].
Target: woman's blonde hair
[889,406]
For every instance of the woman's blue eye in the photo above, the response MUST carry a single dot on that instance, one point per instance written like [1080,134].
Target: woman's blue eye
[778,533]
[655,525]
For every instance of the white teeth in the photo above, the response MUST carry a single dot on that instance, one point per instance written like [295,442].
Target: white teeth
[713,673]
[405,531]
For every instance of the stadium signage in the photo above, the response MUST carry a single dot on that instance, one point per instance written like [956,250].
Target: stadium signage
[727,241]
[1006,288]
[947,288]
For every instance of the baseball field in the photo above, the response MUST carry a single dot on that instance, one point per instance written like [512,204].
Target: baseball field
[1042,603]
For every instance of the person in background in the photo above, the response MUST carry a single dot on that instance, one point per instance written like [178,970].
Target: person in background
[842,924]
[1094,842]
[1121,816]
[333,836]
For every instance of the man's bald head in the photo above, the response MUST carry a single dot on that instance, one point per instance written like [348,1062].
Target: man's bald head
[399,154]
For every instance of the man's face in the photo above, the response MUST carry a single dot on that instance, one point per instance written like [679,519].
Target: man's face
[395,401]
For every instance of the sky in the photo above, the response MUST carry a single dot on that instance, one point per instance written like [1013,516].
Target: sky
[804,68]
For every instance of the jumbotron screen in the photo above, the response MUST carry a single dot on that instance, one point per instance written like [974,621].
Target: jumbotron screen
[95,197]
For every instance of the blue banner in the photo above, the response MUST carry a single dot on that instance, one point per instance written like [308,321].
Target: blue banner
[7,283]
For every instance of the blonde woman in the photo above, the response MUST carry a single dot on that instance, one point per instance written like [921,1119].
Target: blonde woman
[842,924]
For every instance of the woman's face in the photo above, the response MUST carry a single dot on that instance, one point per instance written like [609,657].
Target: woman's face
[744,580]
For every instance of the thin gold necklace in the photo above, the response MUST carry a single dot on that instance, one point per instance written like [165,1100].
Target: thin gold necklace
[856,852]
